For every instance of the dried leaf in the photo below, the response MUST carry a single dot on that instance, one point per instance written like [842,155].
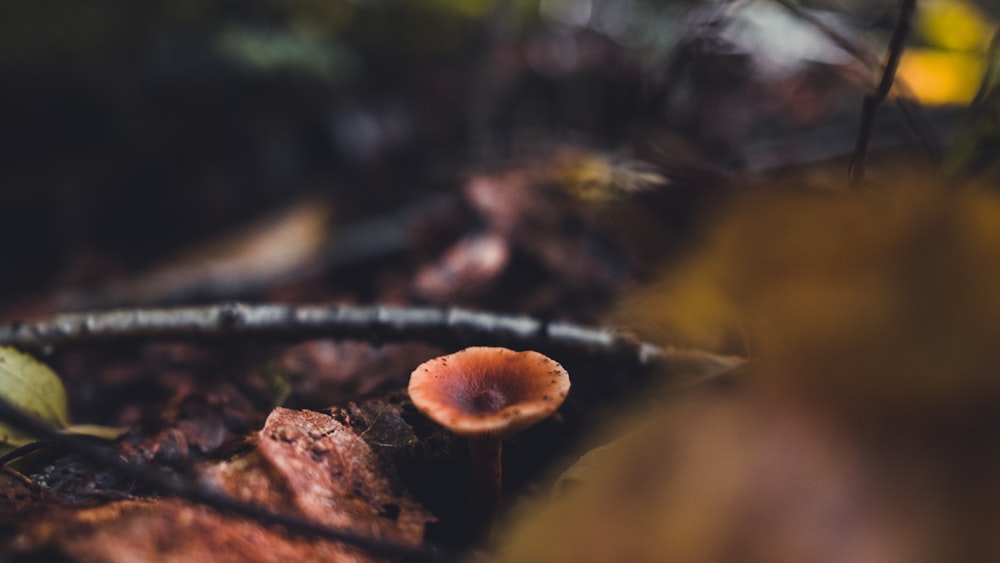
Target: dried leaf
[271,250]
[305,463]
[328,372]
[466,271]
[334,476]
[167,530]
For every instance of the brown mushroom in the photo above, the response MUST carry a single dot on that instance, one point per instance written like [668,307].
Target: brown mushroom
[487,394]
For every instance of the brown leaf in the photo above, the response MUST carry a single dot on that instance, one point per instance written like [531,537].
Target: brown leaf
[305,463]
[466,271]
[333,476]
[168,530]
[272,249]
[327,372]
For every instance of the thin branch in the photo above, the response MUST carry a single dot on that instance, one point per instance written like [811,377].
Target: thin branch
[156,479]
[856,171]
[905,101]
[446,326]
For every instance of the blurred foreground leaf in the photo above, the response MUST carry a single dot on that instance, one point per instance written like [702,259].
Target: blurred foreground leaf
[885,302]
[865,426]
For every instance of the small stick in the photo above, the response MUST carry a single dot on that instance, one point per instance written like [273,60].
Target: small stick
[448,326]
[856,170]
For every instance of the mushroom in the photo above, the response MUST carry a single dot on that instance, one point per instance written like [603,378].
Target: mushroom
[487,394]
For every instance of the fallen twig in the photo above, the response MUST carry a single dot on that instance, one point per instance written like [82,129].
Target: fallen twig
[378,323]
[156,479]
[447,327]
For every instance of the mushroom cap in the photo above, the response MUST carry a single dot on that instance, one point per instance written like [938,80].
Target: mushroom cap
[485,391]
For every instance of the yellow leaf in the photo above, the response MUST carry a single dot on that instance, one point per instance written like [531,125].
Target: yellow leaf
[32,387]
[109,433]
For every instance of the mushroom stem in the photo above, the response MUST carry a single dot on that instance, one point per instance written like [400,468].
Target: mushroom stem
[487,394]
[487,478]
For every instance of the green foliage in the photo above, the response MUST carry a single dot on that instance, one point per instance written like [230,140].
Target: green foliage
[270,51]
[279,384]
